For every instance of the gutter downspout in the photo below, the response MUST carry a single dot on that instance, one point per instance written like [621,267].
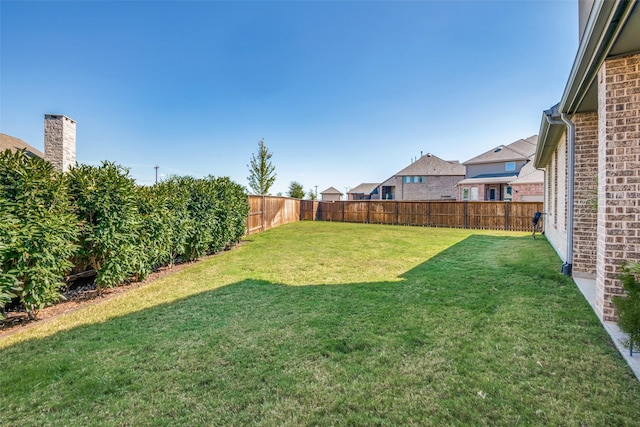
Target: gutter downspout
[571,137]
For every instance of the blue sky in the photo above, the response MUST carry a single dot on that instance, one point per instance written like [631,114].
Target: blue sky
[341,92]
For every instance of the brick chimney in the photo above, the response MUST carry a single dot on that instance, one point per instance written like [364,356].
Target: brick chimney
[60,141]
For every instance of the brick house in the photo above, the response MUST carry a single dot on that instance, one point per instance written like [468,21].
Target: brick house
[529,185]
[363,191]
[427,178]
[331,195]
[589,147]
[489,176]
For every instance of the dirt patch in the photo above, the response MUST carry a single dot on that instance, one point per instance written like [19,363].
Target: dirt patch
[81,296]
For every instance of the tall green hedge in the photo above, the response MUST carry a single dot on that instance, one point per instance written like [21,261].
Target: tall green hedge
[104,199]
[38,232]
[96,217]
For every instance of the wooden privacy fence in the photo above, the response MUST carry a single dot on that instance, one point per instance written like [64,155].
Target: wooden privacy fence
[268,212]
[514,216]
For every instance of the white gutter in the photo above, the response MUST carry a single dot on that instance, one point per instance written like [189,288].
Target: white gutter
[567,267]
[571,137]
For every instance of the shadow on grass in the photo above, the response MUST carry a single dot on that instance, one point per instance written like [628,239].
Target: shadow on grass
[487,315]
[461,274]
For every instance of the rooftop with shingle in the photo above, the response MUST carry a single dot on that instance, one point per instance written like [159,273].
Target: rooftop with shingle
[521,149]
[8,142]
[365,188]
[331,190]
[432,165]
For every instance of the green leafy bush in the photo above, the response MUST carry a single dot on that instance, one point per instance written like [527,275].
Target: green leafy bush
[96,217]
[105,199]
[233,209]
[38,231]
[207,215]
[628,307]
[156,232]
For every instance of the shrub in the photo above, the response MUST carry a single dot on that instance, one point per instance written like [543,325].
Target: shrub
[105,199]
[96,217]
[233,209]
[155,231]
[628,307]
[38,231]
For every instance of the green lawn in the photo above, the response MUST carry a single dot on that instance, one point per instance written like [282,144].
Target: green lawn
[318,323]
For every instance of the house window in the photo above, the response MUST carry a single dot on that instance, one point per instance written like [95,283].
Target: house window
[415,179]
[508,193]
[406,179]
[465,194]
[510,166]
[422,179]
[492,194]
[474,193]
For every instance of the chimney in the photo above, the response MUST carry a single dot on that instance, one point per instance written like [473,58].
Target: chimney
[60,141]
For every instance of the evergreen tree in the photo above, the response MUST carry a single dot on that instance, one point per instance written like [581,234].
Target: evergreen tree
[262,173]
[295,190]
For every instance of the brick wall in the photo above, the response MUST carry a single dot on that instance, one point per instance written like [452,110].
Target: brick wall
[585,193]
[435,188]
[555,224]
[528,192]
[618,175]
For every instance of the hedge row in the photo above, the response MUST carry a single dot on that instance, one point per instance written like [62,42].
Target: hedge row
[95,217]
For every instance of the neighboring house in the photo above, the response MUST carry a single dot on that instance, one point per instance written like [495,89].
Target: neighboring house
[8,142]
[59,142]
[331,195]
[362,192]
[428,178]
[488,175]
[589,147]
[529,185]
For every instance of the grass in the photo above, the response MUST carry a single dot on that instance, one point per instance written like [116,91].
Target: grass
[332,324]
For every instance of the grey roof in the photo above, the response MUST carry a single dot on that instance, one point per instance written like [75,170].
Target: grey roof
[490,180]
[331,190]
[431,165]
[529,175]
[521,149]
[365,188]
[12,143]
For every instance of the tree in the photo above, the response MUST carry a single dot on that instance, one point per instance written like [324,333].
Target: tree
[262,173]
[311,195]
[295,190]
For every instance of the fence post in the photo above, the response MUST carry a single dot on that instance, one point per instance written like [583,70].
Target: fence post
[466,212]
[369,212]
[506,215]
[397,214]
[263,209]
[343,211]
[249,215]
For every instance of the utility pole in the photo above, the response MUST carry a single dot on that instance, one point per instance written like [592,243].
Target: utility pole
[156,168]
